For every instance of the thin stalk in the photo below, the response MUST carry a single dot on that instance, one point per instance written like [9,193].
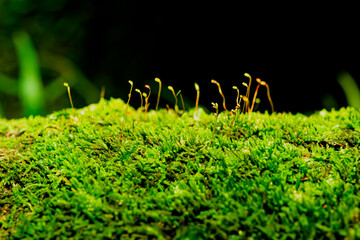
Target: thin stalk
[158,98]
[173,92]
[147,104]
[125,113]
[141,98]
[255,94]
[182,101]
[69,93]
[102,93]
[197,88]
[216,106]
[220,91]
[248,91]
[268,94]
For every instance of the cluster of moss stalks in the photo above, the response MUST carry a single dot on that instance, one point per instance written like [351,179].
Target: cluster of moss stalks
[180,176]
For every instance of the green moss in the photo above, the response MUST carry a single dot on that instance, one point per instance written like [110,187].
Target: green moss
[277,176]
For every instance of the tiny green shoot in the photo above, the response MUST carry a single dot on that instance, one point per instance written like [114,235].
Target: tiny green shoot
[245,99]
[182,100]
[158,98]
[69,93]
[245,106]
[234,112]
[102,92]
[125,112]
[237,96]
[263,83]
[197,88]
[268,94]
[173,92]
[147,104]
[216,107]
[248,90]
[258,80]
[146,97]
[238,99]
[221,93]
[141,99]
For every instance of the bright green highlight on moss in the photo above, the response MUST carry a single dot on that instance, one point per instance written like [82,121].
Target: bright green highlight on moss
[264,177]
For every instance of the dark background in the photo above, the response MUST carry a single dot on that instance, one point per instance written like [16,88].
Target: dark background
[299,50]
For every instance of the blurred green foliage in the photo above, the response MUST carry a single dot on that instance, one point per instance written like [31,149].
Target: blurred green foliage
[30,87]
[39,43]
[351,89]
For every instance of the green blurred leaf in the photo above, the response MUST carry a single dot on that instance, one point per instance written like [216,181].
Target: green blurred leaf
[31,91]
[350,88]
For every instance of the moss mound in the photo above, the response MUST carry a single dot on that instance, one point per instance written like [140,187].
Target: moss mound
[277,176]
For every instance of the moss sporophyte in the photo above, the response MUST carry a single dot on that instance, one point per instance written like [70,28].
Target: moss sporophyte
[125,112]
[159,93]
[69,93]
[175,174]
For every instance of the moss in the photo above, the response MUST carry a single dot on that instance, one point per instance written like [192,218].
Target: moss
[277,176]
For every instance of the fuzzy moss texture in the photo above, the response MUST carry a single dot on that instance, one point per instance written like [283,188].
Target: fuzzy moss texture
[277,176]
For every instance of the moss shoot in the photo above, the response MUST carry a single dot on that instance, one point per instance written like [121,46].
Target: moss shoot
[264,176]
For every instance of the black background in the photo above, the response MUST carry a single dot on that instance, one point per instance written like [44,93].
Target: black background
[297,49]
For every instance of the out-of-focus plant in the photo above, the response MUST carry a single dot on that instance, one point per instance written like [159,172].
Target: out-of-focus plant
[30,86]
[351,89]
[44,29]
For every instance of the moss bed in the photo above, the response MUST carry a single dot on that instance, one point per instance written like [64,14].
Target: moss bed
[268,176]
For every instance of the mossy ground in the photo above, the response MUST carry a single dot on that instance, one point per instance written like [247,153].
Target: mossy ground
[277,176]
